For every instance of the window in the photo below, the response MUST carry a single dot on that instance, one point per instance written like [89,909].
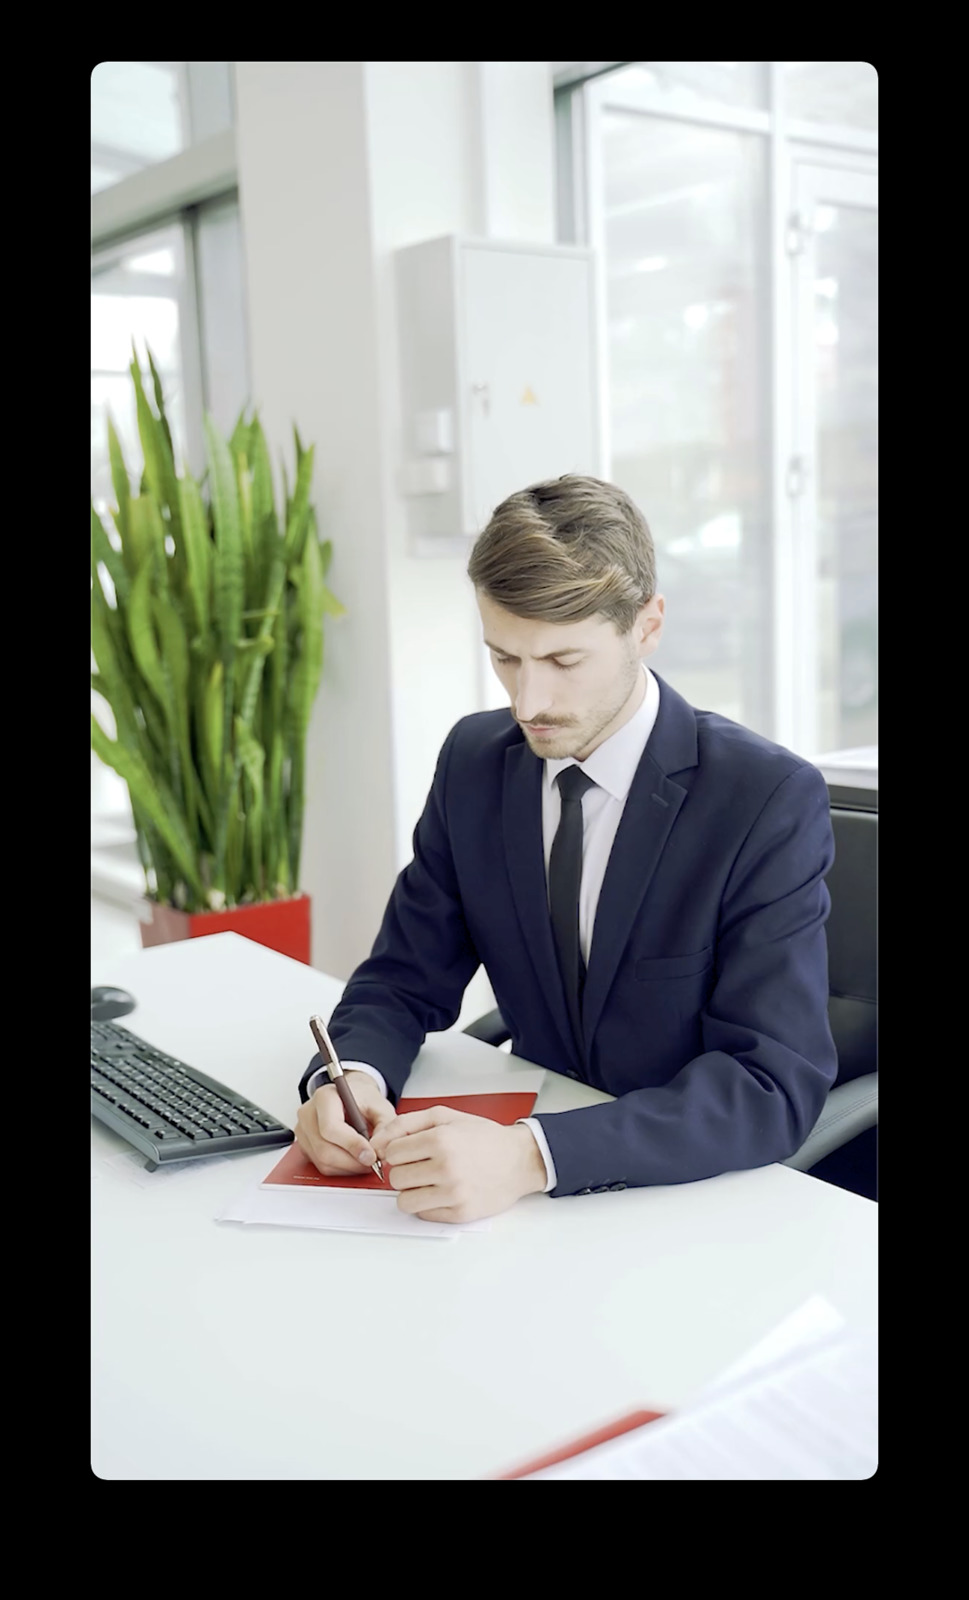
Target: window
[143,112]
[686,284]
[175,283]
[138,294]
[841,93]
[733,208]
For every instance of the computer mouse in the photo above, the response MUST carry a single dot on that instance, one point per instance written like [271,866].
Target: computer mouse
[107,1002]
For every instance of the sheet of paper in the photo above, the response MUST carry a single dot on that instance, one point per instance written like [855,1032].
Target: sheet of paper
[810,1414]
[342,1210]
[812,1321]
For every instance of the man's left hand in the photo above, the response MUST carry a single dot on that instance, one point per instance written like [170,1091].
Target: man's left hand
[452,1167]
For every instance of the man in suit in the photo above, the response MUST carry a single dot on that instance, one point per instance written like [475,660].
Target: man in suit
[642,881]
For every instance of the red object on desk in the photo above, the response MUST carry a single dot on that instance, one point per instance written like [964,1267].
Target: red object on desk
[613,1430]
[296,1171]
[282,925]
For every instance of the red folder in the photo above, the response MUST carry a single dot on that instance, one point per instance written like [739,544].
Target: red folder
[295,1170]
[633,1419]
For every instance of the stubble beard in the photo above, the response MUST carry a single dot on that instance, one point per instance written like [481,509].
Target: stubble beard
[576,741]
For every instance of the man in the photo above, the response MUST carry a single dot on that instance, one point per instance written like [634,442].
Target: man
[643,883]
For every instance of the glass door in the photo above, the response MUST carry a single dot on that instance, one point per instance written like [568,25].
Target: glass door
[833,472]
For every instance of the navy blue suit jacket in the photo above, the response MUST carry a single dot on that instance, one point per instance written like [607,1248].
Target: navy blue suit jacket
[705,1002]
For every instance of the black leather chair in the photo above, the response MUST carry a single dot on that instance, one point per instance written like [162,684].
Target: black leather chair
[851,1108]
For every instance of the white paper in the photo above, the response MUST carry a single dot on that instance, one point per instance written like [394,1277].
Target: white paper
[812,1413]
[812,1321]
[343,1210]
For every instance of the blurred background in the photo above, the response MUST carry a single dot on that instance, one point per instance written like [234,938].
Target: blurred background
[258,224]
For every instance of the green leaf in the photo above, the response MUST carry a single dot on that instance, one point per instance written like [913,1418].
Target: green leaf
[239,437]
[198,552]
[119,478]
[152,797]
[244,485]
[146,535]
[213,711]
[159,465]
[229,592]
[102,550]
[311,605]
[299,511]
[251,754]
[228,576]
[141,636]
[253,757]
[174,645]
[263,494]
[160,403]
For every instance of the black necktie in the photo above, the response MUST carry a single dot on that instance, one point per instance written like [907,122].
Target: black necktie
[564,877]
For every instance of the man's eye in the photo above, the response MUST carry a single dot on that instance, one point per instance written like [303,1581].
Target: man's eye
[506,661]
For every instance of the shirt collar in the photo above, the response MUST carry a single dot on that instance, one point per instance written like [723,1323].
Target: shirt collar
[612,765]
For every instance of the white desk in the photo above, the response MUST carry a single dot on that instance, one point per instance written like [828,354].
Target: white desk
[213,1343]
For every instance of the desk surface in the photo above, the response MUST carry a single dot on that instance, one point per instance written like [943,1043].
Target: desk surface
[210,1341]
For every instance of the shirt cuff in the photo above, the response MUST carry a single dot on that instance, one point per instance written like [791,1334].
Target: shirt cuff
[542,1142]
[321,1076]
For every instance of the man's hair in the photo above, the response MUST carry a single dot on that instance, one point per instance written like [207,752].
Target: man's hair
[565,550]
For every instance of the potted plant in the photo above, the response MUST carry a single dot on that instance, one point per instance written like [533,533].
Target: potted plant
[207,632]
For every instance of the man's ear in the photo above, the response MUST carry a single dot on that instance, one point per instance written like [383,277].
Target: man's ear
[649,625]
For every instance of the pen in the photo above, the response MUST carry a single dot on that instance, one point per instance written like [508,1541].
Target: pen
[337,1077]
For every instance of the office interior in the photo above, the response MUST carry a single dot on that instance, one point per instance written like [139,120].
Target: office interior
[249,223]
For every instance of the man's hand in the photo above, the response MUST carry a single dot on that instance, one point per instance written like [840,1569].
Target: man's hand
[452,1167]
[324,1135]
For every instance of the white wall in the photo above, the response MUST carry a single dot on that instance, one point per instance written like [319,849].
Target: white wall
[340,164]
[304,201]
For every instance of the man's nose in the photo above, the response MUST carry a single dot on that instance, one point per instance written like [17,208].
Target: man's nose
[530,696]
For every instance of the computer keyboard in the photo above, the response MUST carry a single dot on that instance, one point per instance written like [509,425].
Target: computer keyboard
[167,1109]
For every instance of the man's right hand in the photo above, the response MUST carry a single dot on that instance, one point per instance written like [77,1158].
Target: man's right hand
[327,1139]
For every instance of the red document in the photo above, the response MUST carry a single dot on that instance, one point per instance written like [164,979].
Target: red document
[296,1171]
[634,1419]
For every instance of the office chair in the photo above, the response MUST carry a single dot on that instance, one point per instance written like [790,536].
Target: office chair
[852,1104]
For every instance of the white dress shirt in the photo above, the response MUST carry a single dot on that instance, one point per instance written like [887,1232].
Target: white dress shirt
[612,767]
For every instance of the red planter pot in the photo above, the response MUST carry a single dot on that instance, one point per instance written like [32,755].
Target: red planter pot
[283,925]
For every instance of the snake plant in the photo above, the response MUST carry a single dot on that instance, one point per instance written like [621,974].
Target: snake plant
[207,630]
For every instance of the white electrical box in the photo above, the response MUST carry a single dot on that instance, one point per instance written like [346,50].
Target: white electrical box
[499,378]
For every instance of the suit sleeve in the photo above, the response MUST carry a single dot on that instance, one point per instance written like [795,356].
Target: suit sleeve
[755,1092]
[423,959]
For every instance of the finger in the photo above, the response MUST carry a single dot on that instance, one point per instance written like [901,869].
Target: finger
[327,1158]
[381,1115]
[421,1201]
[382,1128]
[411,1174]
[332,1130]
[411,1148]
[411,1124]
[432,1117]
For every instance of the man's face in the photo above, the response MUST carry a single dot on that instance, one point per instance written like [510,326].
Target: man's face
[570,684]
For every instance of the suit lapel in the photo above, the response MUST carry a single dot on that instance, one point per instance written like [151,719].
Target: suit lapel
[651,809]
[525,855]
